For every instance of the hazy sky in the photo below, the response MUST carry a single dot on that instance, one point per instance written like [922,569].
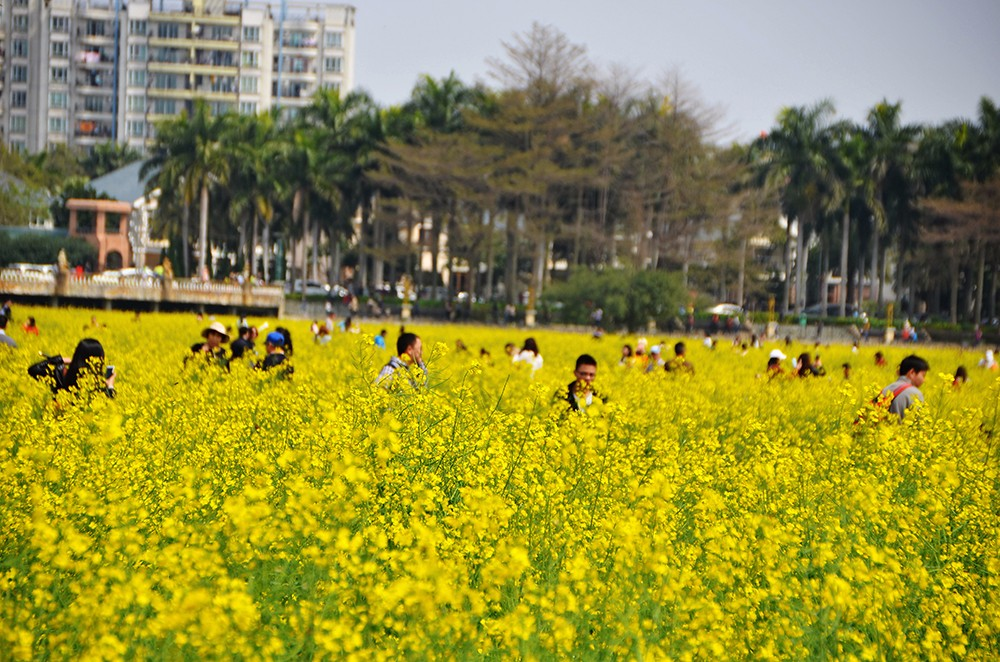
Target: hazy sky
[749,58]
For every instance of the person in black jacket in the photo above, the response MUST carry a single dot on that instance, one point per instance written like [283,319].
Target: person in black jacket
[84,372]
[580,393]
[276,346]
[244,343]
[212,350]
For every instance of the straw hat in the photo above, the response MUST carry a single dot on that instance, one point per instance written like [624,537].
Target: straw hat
[218,328]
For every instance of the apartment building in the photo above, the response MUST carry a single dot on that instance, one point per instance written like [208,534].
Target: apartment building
[84,72]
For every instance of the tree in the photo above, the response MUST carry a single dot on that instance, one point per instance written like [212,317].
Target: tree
[188,156]
[798,156]
[109,156]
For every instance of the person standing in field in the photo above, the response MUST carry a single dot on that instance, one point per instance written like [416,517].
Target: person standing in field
[30,327]
[679,364]
[580,393]
[212,350]
[244,343]
[531,355]
[906,389]
[409,352]
[4,338]
[274,345]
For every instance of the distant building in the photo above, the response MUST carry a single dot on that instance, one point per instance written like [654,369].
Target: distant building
[84,72]
[117,228]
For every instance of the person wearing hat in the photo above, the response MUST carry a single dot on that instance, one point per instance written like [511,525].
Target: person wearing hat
[774,368]
[212,350]
[274,345]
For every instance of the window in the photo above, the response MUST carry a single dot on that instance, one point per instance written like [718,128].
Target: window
[137,27]
[251,33]
[248,107]
[19,48]
[334,39]
[333,64]
[60,49]
[19,23]
[136,128]
[18,99]
[95,28]
[332,85]
[18,146]
[58,100]
[137,52]
[251,59]
[136,78]
[59,24]
[18,124]
[249,84]
[20,3]
[136,103]
[221,33]
[164,82]
[167,31]
[57,125]
[19,73]
[93,104]
[165,107]
[58,74]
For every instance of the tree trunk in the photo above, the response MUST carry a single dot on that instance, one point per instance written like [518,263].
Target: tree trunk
[203,232]
[488,292]
[578,229]
[980,281]
[953,300]
[992,302]
[186,239]
[512,257]
[253,243]
[266,244]
[883,275]
[876,292]
[741,276]
[824,275]
[800,267]
[786,291]
[314,266]
[845,239]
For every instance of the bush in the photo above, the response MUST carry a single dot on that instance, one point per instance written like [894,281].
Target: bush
[43,248]
[628,298]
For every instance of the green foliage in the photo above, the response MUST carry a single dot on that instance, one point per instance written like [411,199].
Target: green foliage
[628,298]
[43,248]
[76,187]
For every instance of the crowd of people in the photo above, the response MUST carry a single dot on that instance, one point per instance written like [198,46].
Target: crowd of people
[87,371]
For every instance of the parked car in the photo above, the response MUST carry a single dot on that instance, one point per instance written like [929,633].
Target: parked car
[26,268]
[313,288]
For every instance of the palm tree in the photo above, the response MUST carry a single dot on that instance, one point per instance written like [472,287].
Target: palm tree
[889,175]
[169,165]
[799,157]
[189,153]
[253,146]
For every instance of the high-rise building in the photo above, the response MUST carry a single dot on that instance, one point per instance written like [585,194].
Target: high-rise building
[84,72]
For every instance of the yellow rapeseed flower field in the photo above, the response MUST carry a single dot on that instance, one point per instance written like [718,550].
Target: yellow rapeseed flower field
[721,515]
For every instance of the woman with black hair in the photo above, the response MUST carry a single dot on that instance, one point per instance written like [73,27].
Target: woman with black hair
[84,372]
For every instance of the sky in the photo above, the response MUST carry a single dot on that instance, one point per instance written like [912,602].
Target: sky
[745,58]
